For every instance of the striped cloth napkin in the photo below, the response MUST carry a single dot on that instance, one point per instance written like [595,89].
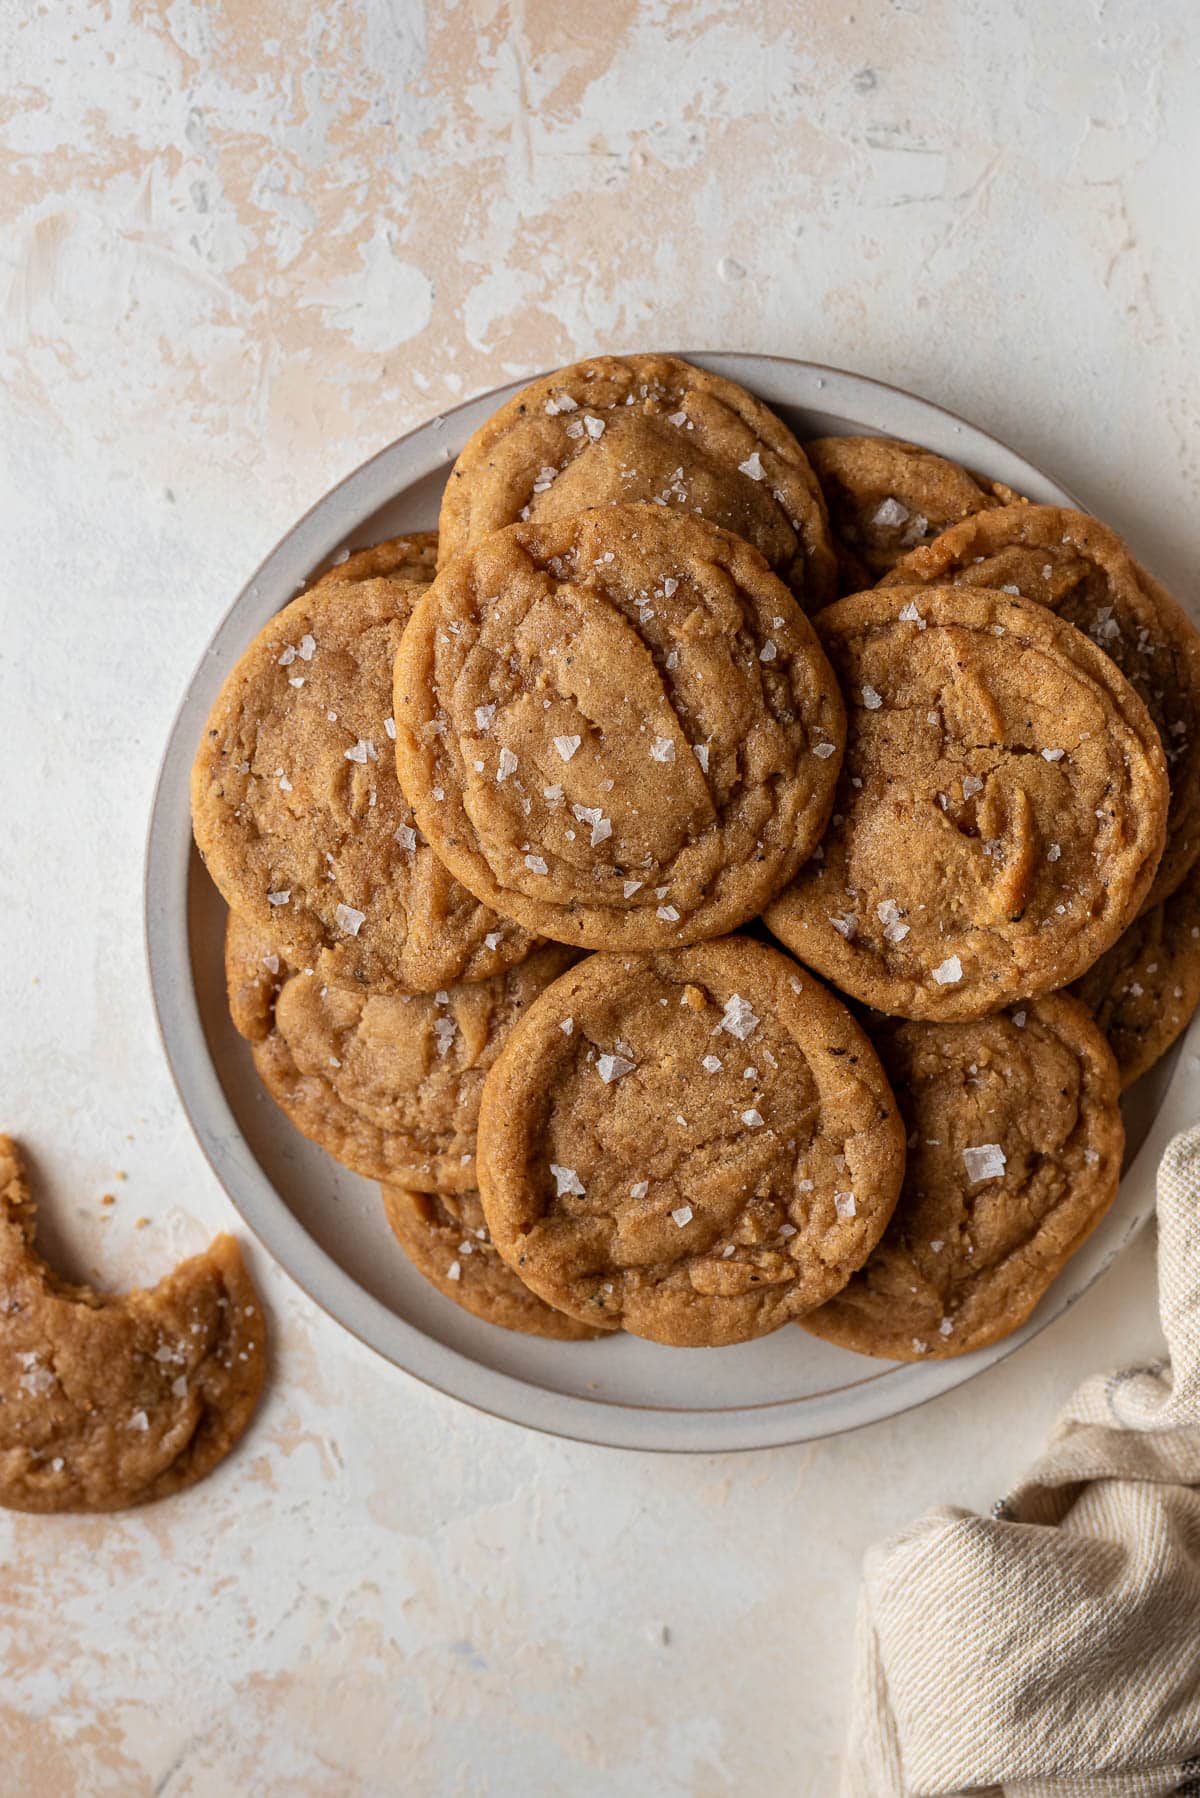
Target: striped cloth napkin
[1053,1650]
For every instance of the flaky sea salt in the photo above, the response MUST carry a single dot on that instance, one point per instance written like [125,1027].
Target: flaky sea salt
[890,513]
[888,913]
[739,1018]
[910,614]
[281,897]
[845,1204]
[454,1271]
[668,914]
[845,923]
[307,647]
[753,467]
[948,971]
[492,940]
[406,836]
[768,652]
[971,785]
[871,699]
[508,765]
[662,750]
[630,887]
[752,1119]
[1053,755]
[593,426]
[536,864]
[348,920]
[566,1180]
[361,752]
[567,1025]
[985,1162]
[139,1421]
[561,402]
[566,746]
[483,716]
[682,1215]
[444,1030]
[1054,851]
[611,1067]
[712,1064]
[824,750]
[271,963]
[639,1189]
[700,751]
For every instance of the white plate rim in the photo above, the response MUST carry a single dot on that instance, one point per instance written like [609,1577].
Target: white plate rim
[306,547]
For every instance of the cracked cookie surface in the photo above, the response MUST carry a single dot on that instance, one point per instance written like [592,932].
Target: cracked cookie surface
[699,1145]
[409,558]
[617,729]
[111,1401]
[1144,990]
[617,429]
[388,1083]
[299,816]
[1014,1153]
[886,496]
[445,1237]
[1080,569]
[1000,813]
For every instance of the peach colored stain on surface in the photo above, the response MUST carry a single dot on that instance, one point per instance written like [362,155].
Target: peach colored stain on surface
[243,247]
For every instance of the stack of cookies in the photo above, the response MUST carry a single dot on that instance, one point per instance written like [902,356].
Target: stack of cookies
[687,949]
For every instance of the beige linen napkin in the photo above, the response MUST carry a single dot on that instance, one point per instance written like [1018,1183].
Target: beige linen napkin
[1053,1650]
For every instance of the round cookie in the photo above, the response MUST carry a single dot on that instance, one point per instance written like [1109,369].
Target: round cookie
[445,1238]
[1000,813]
[388,1083]
[885,496]
[301,821]
[411,558]
[1143,992]
[1014,1154]
[617,429]
[699,1145]
[1082,571]
[617,729]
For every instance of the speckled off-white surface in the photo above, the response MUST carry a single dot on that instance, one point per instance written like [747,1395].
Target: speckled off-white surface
[244,245]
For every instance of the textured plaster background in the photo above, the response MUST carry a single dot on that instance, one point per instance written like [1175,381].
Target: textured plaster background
[244,244]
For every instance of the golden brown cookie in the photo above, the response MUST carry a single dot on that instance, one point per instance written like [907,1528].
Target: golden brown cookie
[410,558]
[388,1083]
[301,821]
[885,496]
[107,1402]
[1000,813]
[616,429]
[1014,1154]
[1144,991]
[1081,570]
[446,1239]
[617,729]
[699,1145]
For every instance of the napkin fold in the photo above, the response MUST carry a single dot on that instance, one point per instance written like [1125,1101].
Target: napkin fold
[1053,1649]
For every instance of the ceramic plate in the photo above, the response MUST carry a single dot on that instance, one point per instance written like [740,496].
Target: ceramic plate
[326,1226]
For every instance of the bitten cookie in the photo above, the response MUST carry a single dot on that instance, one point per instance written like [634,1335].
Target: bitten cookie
[411,558]
[1082,571]
[616,429]
[301,821]
[113,1401]
[1014,1154]
[885,496]
[445,1238]
[388,1083]
[617,729]
[1000,814]
[699,1145]
[1143,992]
